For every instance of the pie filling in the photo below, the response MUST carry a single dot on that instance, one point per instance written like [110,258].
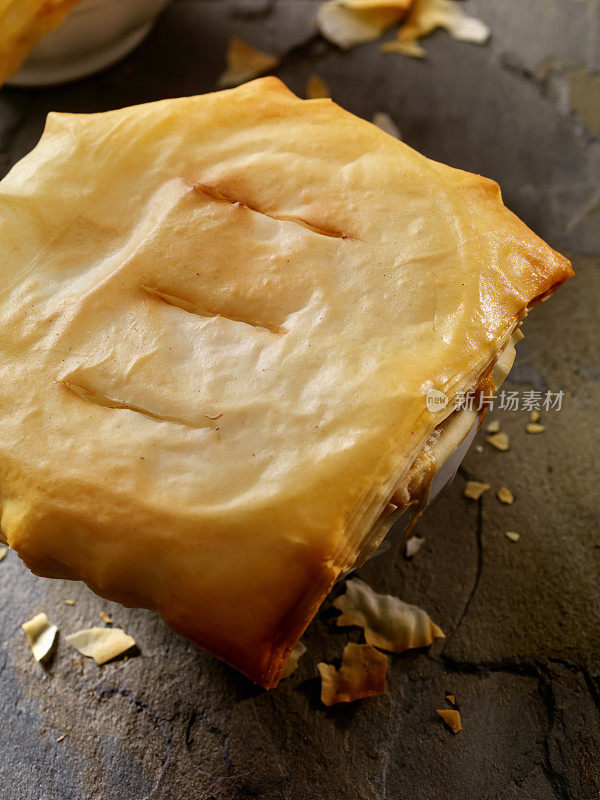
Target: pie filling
[413,491]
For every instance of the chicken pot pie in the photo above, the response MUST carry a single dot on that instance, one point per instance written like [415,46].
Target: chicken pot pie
[220,320]
[22,24]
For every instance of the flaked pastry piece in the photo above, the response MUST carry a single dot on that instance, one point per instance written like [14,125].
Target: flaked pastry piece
[347,23]
[220,318]
[244,62]
[451,717]
[294,659]
[101,644]
[316,88]
[22,23]
[350,22]
[361,674]
[388,622]
[426,16]
[41,634]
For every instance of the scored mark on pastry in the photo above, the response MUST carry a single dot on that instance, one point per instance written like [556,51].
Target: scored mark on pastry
[192,308]
[215,194]
[99,399]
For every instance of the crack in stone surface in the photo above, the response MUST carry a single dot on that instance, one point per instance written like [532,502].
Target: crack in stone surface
[103,693]
[539,670]
[479,566]
[223,736]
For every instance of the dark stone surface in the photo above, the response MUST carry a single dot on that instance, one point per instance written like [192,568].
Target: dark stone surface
[522,653]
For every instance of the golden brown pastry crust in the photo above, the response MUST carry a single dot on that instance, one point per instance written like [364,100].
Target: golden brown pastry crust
[219,319]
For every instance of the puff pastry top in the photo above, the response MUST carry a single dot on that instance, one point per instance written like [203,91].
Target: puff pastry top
[219,318]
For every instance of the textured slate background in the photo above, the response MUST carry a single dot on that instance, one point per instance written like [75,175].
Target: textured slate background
[522,653]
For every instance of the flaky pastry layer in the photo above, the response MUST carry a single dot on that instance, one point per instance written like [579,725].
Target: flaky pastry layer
[220,317]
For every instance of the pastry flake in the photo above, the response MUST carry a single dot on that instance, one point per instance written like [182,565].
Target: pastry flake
[362,674]
[387,621]
[505,495]
[293,660]
[22,23]
[534,427]
[239,255]
[41,634]
[413,545]
[347,23]
[410,48]
[500,440]
[386,123]
[101,644]
[451,718]
[245,62]
[316,88]
[475,489]
[426,16]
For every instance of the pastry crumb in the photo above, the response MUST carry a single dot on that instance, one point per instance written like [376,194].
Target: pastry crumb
[500,441]
[505,495]
[361,674]
[534,427]
[451,699]
[3,553]
[475,489]
[62,736]
[534,416]
[451,717]
[513,536]
[105,618]
[493,426]
[69,602]
[413,545]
